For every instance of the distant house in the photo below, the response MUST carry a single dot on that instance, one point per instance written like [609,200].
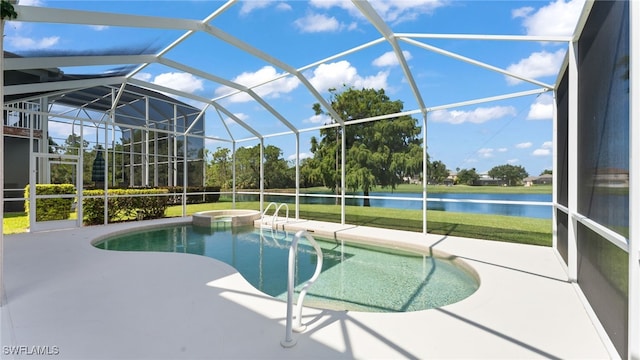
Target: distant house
[486,180]
[452,179]
[544,179]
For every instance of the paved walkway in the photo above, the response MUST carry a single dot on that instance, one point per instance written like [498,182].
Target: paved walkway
[79,302]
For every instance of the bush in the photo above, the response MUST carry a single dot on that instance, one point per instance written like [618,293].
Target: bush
[123,204]
[176,199]
[51,209]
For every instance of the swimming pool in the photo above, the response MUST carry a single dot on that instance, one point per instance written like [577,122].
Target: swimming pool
[354,277]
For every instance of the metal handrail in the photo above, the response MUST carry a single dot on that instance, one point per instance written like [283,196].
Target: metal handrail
[265,212]
[288,340]
[274,219]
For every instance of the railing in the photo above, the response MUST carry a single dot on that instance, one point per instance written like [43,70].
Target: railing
[23,115]
[289,341]
[274,218]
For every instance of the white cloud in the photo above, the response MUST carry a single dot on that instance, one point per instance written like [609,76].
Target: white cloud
[335,75]
[240,116]
[303,155]
[314,23]
[394,11]
[485,153]
[144,76]
[541,152]
[522,12]
[271,89]
[524,145]
[477,116]
[513,161]
[99,27]
[542,108]
[283,6]
[249,6]
[179,81]
[318,119]
[557,18]
[389,59]
[21,42]
[502,150]
[544,150]
[324,77]
[538,64]
[31,2]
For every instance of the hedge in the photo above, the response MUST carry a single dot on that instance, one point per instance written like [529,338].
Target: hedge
[54,208]
[123,204]
[176,199]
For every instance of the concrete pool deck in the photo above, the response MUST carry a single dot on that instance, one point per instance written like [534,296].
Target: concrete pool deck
[75,301]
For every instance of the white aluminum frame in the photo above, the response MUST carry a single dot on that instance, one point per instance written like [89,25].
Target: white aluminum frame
[191,27]
[634,182]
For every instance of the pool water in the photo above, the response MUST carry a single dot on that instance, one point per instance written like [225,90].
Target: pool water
[353,277]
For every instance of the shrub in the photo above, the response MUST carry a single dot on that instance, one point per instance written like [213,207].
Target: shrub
[53,208]
[176,199]
[123,204]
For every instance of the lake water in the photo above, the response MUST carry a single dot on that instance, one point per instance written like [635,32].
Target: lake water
[443,202]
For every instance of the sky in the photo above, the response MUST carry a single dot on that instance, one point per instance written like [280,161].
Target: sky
[305,35]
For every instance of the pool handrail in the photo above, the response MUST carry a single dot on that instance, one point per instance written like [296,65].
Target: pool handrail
[274,217]
[264,212]
[289,341]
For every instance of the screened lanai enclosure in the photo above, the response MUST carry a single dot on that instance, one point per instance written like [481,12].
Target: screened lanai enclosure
[122,136]
[183,82]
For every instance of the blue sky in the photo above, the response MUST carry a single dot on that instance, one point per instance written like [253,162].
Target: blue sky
[301,33]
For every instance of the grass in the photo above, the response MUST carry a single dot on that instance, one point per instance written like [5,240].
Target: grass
[15,223]
[480,226]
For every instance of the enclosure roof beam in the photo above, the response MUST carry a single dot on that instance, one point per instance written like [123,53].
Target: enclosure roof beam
[215,32]
[80,17]
[540,38]
[62,85]
[26,63]
[240,88]
[369,12]
[475,62]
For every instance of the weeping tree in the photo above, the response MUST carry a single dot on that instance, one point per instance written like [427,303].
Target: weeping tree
[378,153]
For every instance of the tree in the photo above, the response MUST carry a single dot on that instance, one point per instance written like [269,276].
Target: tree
[219,169]
[546,171]
[64,173]
[7,11]
[276,174]
[511,174]
[276,170]
[378,153]
[248,167]
[437,171]
[468,176]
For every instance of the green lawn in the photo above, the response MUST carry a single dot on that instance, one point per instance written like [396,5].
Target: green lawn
[492,227]
[14,223]
[481,226]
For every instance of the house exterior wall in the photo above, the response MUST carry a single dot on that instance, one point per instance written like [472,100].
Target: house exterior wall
[16,174]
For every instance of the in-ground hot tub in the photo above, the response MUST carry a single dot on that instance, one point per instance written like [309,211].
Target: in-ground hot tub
[232,217]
